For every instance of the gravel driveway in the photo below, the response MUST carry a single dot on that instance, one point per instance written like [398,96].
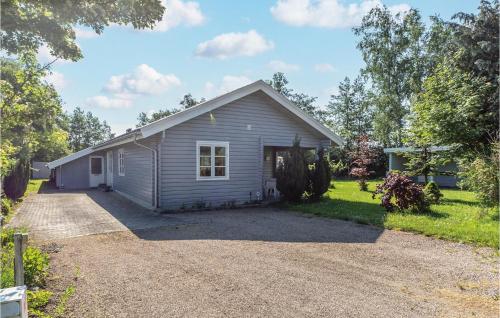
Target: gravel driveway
[269,263]
[251,262]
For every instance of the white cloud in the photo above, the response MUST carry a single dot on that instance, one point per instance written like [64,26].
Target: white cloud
[327,13]
[145,80]
[57,79]
[85,34]
[179,13]
[228,83]
[44,56]
[108,102]
[280,66]
[124,89]
[324,68]
[234,44]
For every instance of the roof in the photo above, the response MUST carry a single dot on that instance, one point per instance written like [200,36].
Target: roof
[412,149]
[200,109]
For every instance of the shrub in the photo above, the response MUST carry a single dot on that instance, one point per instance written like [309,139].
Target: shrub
[37,300]
[36,266]
[7,265]
[362,157]
[432,193]
[292,174]
[16,183]
[6,205]
[481,176]
[320,176]
[399,191]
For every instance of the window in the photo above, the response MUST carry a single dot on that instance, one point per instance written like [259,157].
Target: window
[212,160]
[96,165]
[121,162]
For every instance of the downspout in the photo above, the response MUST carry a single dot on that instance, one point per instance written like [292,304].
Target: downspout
[155,179]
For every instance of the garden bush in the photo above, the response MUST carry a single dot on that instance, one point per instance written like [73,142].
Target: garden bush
[36,263]
[320,176]
[292,175]
[362,157]
[37,300]
[400,192]
[432,193]
[6,205]
[481,176]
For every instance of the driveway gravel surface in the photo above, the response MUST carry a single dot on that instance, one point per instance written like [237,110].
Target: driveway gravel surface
[267,263]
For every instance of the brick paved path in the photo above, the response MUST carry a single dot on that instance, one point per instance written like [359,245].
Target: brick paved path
[63,214]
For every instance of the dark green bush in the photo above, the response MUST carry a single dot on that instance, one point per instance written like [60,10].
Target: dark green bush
[16,183]
[432,193]
[320,176]
[292,174]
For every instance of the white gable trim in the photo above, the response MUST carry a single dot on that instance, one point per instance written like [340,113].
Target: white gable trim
[73,156]
[178,118]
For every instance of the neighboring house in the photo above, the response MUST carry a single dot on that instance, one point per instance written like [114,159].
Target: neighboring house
[39,170]
[397,161]
[222,151]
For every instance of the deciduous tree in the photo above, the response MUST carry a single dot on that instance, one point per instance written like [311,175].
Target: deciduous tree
[27,25]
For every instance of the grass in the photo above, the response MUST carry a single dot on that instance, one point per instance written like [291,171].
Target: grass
[458,218]
[34,186]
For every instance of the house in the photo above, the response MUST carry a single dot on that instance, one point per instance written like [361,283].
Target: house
[222,151]
[397,161]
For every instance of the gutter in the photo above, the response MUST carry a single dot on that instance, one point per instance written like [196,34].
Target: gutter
[155,173]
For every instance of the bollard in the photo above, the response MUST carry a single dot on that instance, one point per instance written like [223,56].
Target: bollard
[19,247]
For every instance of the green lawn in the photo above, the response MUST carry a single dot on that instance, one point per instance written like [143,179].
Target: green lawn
[457,218]
[34,186]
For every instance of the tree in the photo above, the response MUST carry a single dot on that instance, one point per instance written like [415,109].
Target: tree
[291,175]
[31,121]
[187,102]
[86,130]
[303,101]
[393,49]
[279,82]
[321,175]
[362,156]
[349,111]
[450,111]
[27,25]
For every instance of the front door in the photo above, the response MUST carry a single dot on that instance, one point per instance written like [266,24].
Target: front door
[96,171]
[109,171]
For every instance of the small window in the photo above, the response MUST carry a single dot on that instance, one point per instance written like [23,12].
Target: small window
[212,160]
[96,165]
[121,162]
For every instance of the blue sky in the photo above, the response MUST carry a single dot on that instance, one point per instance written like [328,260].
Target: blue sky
[209,47]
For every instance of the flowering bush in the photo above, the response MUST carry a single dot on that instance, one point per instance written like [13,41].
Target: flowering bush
[399,191]
[362,157]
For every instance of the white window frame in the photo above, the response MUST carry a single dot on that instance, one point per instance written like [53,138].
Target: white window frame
[121,162]
[212,145]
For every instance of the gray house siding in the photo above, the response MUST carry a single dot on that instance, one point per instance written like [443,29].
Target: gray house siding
[74,174]
[248,124]
[137,183]
[398,162]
